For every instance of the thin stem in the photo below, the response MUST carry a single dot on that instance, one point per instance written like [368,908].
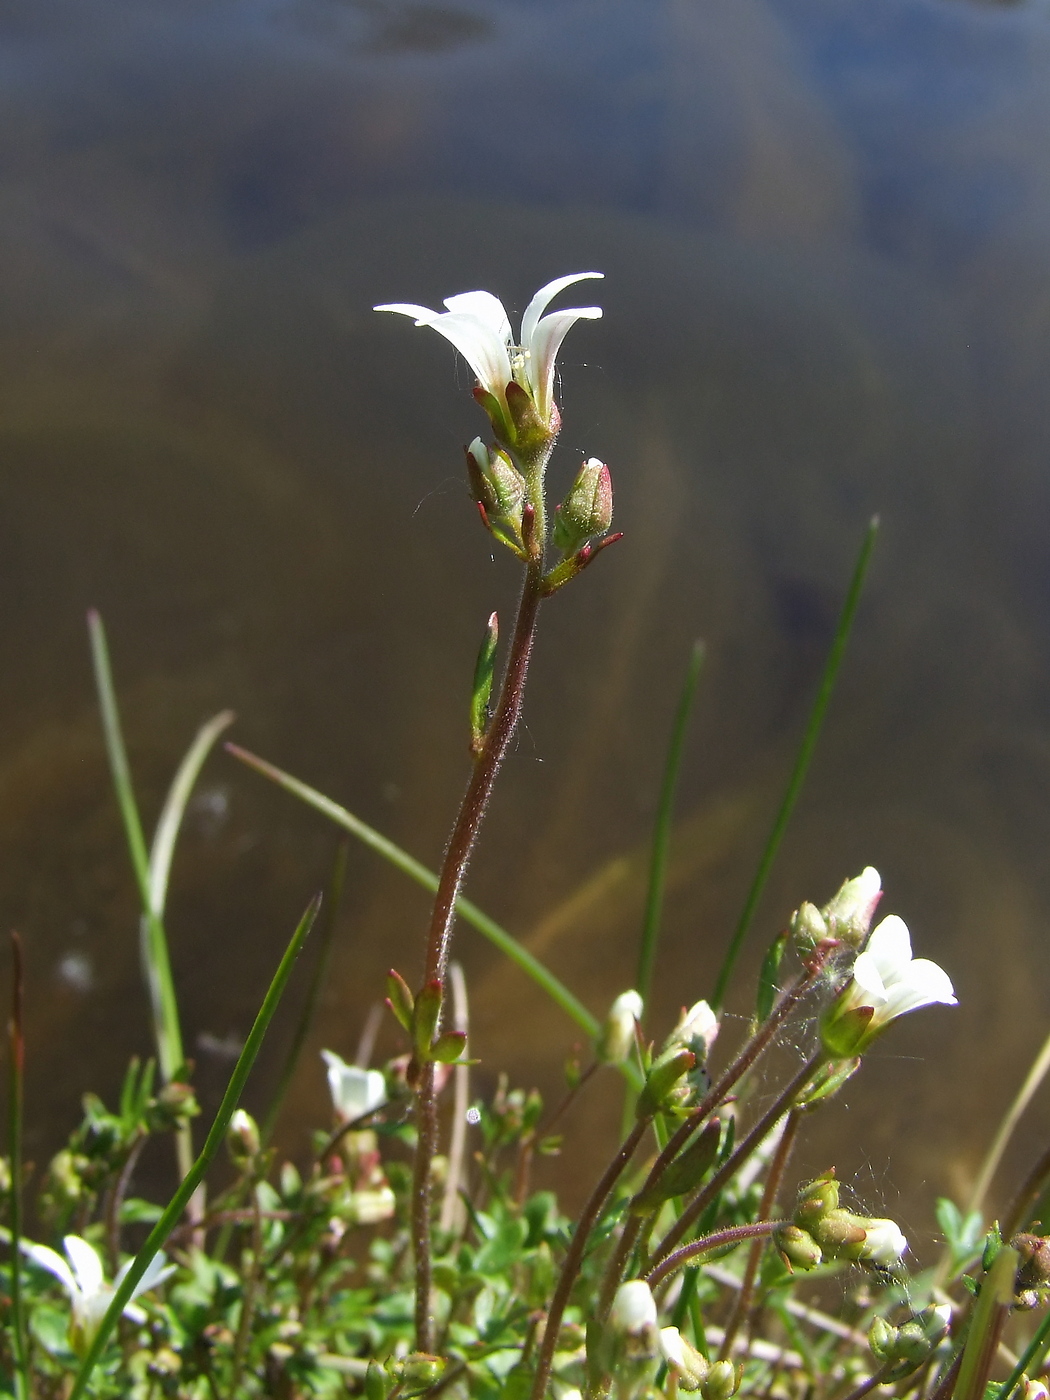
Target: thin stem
[867,1386]
[452,1213]
[16,1085]
[618,1263]
[802,761]
[427,879]
[217,1133]
[746,1058]
[1026,1194]
[248,1296]
[735,1161]
[742,1306]
[719,1240]
[654,898]
[454,867]
[1021,1100]
[116,1200]
[574,1255]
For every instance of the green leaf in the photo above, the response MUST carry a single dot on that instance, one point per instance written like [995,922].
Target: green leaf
[400,999]
[767,978]
[484,674]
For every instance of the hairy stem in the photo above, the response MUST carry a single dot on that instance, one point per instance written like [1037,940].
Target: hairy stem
[719,1240]
[454,867]
[765,1209]
[574,1257]
[736,1160]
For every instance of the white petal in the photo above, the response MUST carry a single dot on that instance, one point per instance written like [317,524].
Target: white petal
[486,308]
[354,1091]
[671,1348]
[868,986]
[542,349]
[87,1266]
[48,1259]
[157,1270]
[422,315]
[889,947]
[884,1243]
[922,984]
[480,346]
[539,303]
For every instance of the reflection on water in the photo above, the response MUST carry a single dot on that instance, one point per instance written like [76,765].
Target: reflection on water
[825,231]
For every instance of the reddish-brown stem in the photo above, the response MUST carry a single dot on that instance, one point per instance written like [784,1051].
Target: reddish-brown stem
[457,856]
[859,1391]
[1025,1197]
[765,1210]
[736,1160]
[574,1257]
[719,1240]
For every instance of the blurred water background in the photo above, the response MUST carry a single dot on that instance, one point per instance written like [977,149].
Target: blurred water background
[825,229]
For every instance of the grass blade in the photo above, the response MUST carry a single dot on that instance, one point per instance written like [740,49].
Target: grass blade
[164,1226]
[990,1312]
[802,761]
[155,958]
[654,899]
[16,1070]
[415,870]
[174,809]
[333,900]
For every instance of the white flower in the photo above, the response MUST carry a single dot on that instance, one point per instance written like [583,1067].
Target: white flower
[618,1034]
[354,1091]
[634,1308]
[697,1027]
[887,982]
[86,1285]
[884,1243]
[478,326]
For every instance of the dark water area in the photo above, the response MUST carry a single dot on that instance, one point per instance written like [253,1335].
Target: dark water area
[825,229]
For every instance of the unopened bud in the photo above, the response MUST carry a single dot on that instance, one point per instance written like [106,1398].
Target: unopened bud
[588,508]
[683,1358]
[242,1139]
[1034,1271]
[849,914]
[696,1030]
[1034,1390]
[499,487]
[633,1312]
[664,1090]
[816,1199]
[884,1243]
[618,1034]
[798,1248]
[807,928]
[722,1381]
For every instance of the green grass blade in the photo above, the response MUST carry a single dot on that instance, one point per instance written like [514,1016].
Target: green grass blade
[408,865]
[16,1084]
[654,899]
[155,959]
[174,809]
[993,1305]
[164,1226]
[802,761]
[333,900]
[1029,1355]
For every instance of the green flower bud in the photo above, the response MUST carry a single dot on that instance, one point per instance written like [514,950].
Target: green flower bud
[798,1248]
[662,1091]
[499,488]
[683,1358]
[588,508]
[848,916]
[807,928]
[722,1381]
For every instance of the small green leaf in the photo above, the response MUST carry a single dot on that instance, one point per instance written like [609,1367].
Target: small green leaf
[399,998]
[449,1047]
[767,978]
[426,1018]
[481,693]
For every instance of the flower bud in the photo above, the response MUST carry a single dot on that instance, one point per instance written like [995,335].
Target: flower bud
[618,1035]
[884,1243]
[798,1248]
[633,1311]
[242,1139]
[499,487]
[849,914]
[1034,1271]
[696,1030]
[683,1358]
[588,508]
[722,1381]
[663,1091]
[1035,1390]
[355,1092]
[902,1350]
[807,928]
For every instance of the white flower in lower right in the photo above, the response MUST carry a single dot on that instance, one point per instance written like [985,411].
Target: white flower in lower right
[887,982]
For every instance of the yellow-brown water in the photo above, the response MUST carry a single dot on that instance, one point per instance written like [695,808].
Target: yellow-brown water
[826,239]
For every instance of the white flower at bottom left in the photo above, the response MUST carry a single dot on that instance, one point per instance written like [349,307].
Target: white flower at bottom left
[84,1281]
